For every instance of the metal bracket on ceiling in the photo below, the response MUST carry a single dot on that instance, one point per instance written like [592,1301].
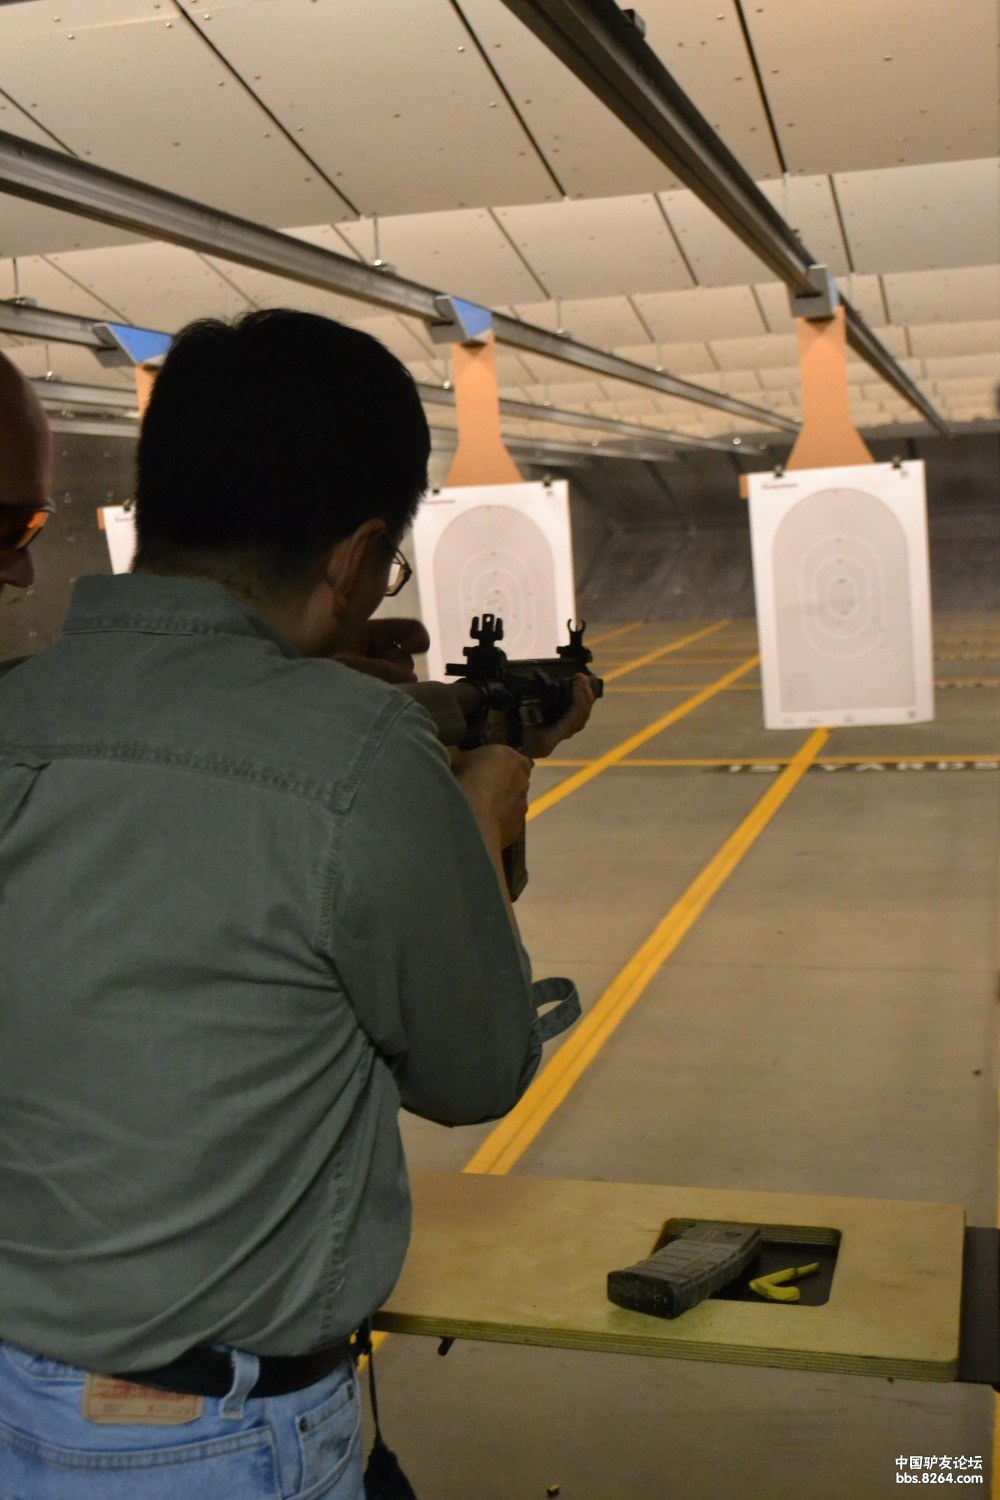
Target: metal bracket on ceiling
[821,303]
[463,322]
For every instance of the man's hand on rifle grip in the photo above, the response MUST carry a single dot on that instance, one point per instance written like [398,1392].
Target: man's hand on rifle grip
[544,740]
[495,779]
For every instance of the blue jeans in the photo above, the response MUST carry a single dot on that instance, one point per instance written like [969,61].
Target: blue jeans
[303,1446]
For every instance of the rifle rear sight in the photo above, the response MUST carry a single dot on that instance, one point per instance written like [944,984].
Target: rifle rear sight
[516,696]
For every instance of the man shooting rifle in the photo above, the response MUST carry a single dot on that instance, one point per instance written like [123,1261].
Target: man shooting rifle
[226,964]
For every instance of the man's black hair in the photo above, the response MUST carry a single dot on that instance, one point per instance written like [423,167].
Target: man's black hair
[268,440]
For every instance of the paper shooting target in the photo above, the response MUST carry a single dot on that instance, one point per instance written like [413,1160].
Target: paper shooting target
[495,549]
[843,595]
[119,533]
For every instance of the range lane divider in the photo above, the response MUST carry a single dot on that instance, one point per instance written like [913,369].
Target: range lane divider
[508,1141]
[619,752]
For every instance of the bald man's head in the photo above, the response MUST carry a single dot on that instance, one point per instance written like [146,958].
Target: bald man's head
[25,467]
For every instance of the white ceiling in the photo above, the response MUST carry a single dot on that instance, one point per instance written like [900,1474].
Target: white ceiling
[495,175]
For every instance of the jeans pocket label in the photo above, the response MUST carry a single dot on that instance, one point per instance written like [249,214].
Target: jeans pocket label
[120,1402]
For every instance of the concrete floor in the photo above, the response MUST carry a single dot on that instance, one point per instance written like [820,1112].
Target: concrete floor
[827,1026]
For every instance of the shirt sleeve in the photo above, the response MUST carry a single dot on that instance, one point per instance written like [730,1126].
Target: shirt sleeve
[421,939]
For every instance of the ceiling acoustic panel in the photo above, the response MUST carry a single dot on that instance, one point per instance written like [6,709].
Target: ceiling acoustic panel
[779,378]
[130,85]
[715,255]
[910,218]
[17,122]
[604,321]
[855,86]
[865,295]
[591,154]
[703,47]
[956,295]
[32,229]
[264,290]
[459,251]
[936,339]
[538,369]
[701,313]
[575,394]
[963,365]
[390,97]
[155,285]
[770,351]
[736,383]
[772,299]
[807,205]
[687,359]
[597,248]
[49,287]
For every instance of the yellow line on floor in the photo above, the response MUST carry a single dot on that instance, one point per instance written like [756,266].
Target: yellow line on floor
[688,661]
[783,760]
[508,1141]
[611,635]
[651,656]
[612,757]
[682,687]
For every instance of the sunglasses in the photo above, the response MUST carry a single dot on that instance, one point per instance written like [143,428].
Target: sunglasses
[20,524]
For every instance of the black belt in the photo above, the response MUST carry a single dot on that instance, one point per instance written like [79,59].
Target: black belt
[209,1372]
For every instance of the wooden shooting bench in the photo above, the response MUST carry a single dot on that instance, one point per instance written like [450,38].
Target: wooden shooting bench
[909,1291]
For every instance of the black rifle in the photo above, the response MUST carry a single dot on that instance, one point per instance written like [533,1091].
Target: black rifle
[507,702]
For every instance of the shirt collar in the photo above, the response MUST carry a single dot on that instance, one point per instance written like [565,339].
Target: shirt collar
[153,604]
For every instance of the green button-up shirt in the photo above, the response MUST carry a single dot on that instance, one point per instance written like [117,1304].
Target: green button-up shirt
[245,913]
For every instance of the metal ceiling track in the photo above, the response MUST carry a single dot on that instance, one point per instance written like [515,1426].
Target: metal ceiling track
[65,398]
[604,47]
[24,320]
[43,175]
[532,411]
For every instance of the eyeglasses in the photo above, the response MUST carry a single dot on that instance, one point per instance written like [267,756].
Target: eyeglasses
[399,576]
[20,524]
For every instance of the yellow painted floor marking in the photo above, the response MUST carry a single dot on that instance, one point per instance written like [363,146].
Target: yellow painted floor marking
[683,687]
[610,635]
[651,656]
[688,661]
[967,655]
[508,1141]
[784,760]
[612,757]
[754,687]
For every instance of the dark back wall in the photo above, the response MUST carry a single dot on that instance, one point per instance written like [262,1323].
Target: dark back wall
[653,541]
[89,472]
[678,544]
